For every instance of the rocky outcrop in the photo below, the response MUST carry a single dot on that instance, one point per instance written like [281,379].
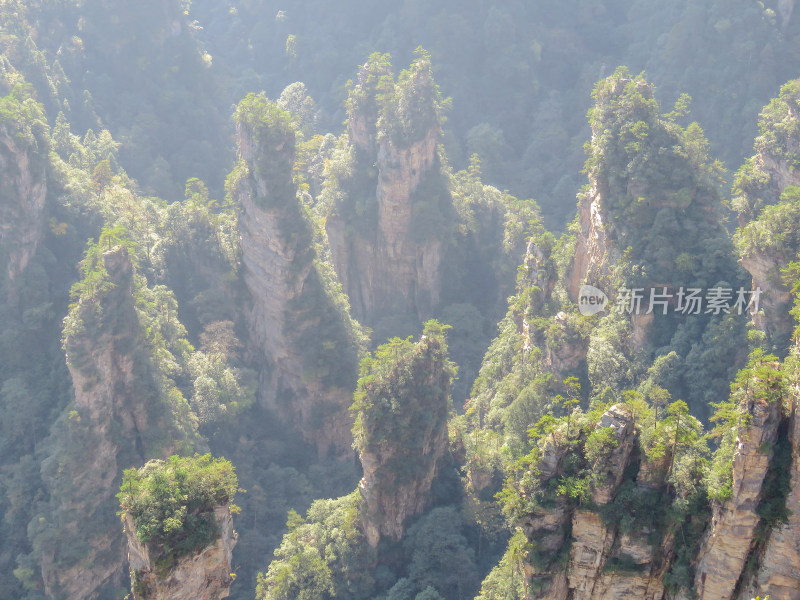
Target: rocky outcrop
[729,541]
[778,572]
[564,348]
[388,269]
[762,183]
[389,502]
[737,558]
[590,570]
[204,575]
[765,265]
[388,266]
[548,531]
[403,437]
[592,549]
[103,434]
[126,410]
[595,545]
[593,252]
[289,303]
[775,300]
[23,190]
[610,470]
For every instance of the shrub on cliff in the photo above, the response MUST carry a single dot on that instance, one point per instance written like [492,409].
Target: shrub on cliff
[172,502]
[401,400]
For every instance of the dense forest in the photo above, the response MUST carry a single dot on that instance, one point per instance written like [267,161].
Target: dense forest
[399,300]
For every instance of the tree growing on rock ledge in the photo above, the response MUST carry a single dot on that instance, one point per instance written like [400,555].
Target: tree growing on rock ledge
[178,520]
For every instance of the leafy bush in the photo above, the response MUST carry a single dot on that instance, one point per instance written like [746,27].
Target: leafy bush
[403,395]
[172,502]
[322,556]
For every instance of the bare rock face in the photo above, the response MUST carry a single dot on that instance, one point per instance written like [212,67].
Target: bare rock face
[282,278]
[595,547]
[549,530]
[775,299]
[206,575]
[644,584]
[779,571]
[23,190]
[724,552]
[593,250]
[389,268]
[387,508]
[409,405]
[110,415]
[590,548]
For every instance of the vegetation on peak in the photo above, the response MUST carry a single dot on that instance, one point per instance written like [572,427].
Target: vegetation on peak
[401,398]
[657,183]
[322,556]
[171,503]
[401,110]
[267,121]
[756,182]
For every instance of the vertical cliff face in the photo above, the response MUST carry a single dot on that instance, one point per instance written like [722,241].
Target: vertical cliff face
[126,410]
[592,250]
[775,299]
[203,575]
[607,546]
[724,552]
[401,431]
[577,551]
[390,261]
[105,429]
[778,573]
[23,190]
[305,341]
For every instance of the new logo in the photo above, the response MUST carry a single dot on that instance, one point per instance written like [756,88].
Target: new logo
[591,300]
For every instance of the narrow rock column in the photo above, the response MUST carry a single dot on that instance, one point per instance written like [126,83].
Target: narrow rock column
[206,575]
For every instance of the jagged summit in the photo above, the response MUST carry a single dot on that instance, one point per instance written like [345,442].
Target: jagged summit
[391,263]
